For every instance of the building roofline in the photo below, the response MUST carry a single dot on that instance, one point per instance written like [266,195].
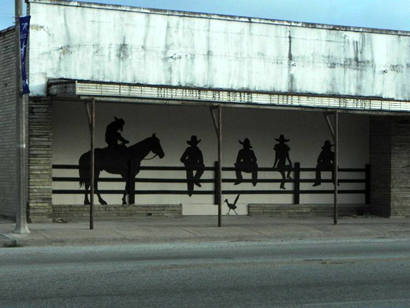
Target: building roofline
[220,17]
[4,31]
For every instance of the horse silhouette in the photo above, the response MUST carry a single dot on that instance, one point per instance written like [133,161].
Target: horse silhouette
[119,160]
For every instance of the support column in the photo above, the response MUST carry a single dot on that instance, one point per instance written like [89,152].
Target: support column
[390,163]
[380,162]
[400,167]
[218,128]
[40,160]
[336,167]
[91,123]
[220,165]
[21,129]
[334,131]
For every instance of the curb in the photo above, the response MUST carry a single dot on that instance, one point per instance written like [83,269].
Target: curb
[6,241]
[9,240]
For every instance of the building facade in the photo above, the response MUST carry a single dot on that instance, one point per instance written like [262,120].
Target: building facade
[161,71]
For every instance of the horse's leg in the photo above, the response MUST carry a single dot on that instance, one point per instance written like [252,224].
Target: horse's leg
[132,187]
[124,196]
[100,199]
[130,180]
[86,200]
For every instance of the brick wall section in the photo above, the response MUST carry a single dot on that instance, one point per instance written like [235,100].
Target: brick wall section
[40,160]
[380,162]
[390,163]
[8,179]
[400,167]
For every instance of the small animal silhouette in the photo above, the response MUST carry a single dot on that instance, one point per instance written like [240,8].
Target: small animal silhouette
[232,206]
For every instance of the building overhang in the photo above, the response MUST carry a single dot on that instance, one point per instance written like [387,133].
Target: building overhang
[171,95]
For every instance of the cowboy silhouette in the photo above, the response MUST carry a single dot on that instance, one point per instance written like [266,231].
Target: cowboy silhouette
[193,160]
[112,135]
[325,162]
[246,162]
[281,156]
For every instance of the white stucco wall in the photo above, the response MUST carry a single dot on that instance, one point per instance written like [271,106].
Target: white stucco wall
[174,125]
[118,44]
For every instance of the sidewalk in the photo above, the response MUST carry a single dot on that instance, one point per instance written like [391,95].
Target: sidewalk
[204,228]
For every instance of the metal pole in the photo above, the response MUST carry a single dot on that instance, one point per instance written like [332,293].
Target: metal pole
[336,166]
[92,184]
[220,165]
[21,127]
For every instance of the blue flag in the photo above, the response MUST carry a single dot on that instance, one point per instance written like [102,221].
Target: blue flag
[24,31]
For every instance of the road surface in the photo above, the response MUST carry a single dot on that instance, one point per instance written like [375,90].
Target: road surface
[232,274]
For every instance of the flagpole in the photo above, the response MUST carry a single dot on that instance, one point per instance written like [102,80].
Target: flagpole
[21,128]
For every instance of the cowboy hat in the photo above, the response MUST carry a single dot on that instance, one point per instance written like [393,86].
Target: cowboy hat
[119,122]
[246,143]
[282,139]
[327,144]
[193,141]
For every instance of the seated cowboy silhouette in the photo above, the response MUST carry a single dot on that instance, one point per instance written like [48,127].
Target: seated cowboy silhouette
[281,156]
[246,162]
[113,136]
[193,160]
[325,162]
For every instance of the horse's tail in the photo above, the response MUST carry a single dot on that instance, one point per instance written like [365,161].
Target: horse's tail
[84,168]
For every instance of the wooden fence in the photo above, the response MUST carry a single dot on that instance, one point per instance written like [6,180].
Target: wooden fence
[211,172]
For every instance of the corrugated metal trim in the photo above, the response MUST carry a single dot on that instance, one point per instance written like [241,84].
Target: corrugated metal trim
[220,17]
[75,88]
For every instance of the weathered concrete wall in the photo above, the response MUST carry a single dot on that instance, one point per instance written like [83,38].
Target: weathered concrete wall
[120,44]
[8,184]
[175,124]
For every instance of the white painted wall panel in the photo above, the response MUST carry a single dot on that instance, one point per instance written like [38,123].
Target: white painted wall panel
[174,125]
[95,42]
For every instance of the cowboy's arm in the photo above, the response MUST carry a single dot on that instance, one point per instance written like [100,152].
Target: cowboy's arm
[288,158]
[239,157]
[122,139]
[276,160]
[184,156]
[253,157]
[200,158]
[320,158]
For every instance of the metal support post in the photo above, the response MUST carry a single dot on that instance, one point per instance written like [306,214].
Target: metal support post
[334,131]
[218,129]
[90,107]
[21,133]
[220,165]
[92,164]
[336,166]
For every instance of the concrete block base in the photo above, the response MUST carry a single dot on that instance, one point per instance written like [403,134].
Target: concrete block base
[306,210]
[110,212]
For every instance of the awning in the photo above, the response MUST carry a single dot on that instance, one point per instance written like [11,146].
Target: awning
[120,92]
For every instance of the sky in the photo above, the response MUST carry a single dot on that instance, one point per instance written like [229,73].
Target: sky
[383,14]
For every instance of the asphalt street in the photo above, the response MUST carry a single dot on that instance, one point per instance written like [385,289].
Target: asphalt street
[372,273]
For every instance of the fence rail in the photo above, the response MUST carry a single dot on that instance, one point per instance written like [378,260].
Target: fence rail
[296,191]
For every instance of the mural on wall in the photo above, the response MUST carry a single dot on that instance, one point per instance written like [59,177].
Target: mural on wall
[112,133]
[117,159]
[325,162]
[281,157]
[246,162]
[232,206]
[194,164]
